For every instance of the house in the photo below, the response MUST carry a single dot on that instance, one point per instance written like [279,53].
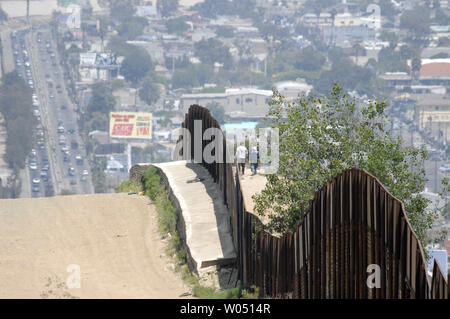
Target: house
[432,111]
[236,102]
[291,89]
[313,20]
[146,11]
[435,72]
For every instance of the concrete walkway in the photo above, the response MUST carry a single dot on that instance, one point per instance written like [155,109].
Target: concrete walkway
[206,218]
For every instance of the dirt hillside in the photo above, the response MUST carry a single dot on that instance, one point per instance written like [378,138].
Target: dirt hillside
[113,238]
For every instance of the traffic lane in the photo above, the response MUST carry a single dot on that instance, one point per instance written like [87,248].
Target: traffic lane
[67,116]
[43,99]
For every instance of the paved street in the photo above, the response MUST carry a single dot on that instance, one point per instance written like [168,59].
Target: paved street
[58,144]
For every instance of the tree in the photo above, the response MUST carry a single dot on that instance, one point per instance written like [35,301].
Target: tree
[149,91]
[211,51]
[167,7]
[320,137]
[217,111]
[441,18]
[225,31]
[136,65]
[102,100]
[390,37]
[390,60]
[131,28]
[350,76]
[416,22]
[16,108]
[121,10]
[416,64]
[308,59]
[176,25]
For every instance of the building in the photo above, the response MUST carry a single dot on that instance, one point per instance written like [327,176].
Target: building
[291,89]
[432,111]
[435,72]
[243,102]
[313,20]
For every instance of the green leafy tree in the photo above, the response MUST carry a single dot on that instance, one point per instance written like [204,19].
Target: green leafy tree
[441,18]
[16,108]
[132,28]
[176,25]
[350,76]
[417,23]
[225,31]
[150,91]
[390,60]
[167,7]
[211,51]
[320,137]
[121,10]
[136,65]
[102,100]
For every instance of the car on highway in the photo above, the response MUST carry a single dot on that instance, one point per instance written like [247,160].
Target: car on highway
[44,175]
[36,181]
[35,189]
[73,182]
[85,172]
[61,129]
[83,178]
[33,166]
[62,140]
[51,96]
[71,171]
[79,159]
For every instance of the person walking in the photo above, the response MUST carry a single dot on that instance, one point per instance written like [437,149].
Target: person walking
[241,154]
[253,159]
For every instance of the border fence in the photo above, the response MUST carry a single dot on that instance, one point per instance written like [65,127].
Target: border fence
[352,225]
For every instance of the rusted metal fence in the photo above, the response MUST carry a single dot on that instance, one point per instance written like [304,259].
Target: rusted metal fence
[354,227]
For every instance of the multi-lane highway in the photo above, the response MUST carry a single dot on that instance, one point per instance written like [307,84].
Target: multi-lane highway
[59,157]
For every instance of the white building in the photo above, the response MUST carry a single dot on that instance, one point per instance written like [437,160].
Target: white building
[291,89]
[242,102]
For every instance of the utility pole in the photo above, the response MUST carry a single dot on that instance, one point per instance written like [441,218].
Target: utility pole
[28,11]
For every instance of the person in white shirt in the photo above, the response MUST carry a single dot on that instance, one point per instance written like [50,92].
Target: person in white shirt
[241,154]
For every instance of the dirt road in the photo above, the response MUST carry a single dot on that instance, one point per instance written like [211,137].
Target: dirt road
[112,237]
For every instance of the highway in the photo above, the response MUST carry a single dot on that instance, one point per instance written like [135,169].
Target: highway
[58,143]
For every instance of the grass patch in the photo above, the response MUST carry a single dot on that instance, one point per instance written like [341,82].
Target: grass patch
[233,293]
[129,186]
[212,293]
[167,226]
[167,222]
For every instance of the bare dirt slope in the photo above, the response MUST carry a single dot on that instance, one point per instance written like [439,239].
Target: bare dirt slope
[112,237]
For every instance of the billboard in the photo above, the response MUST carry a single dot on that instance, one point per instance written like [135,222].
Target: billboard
[130,125]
